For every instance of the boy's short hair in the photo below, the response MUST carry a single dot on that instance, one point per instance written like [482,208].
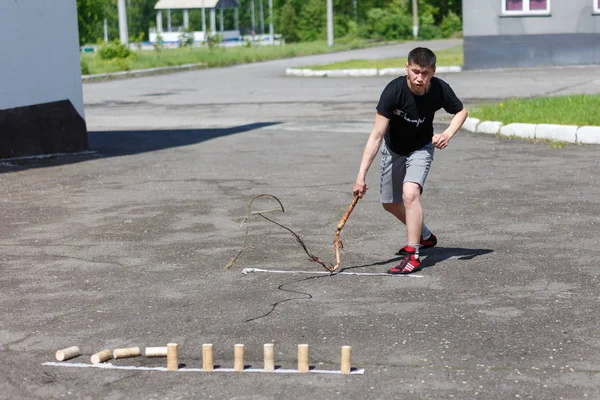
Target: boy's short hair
[423,57]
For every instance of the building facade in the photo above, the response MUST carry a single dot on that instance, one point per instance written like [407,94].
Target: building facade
[41,99]
[530,33]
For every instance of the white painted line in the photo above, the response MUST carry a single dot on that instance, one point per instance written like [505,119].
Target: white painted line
[130,368]
[275,271]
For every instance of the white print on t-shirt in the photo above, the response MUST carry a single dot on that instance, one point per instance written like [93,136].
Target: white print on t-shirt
[414,121]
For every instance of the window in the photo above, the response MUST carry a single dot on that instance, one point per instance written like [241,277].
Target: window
[527,7]
[597,6]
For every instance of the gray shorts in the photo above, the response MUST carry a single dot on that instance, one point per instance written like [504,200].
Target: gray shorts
[397,169]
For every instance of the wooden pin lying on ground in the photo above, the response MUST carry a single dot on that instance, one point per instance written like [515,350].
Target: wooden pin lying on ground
[172,357]
[238,359]
[101,356]
[303,358]
[269,357]
[127,352]
[208,363]
[346,351]
[68,353]
[156,352]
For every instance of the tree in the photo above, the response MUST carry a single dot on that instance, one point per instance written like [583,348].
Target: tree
[288,23]
[312,21]
[90,17]
[140,15]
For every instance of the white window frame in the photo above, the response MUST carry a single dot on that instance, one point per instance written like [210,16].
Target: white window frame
[596,7]
[526,10]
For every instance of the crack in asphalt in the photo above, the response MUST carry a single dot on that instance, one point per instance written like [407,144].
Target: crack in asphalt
[280,287]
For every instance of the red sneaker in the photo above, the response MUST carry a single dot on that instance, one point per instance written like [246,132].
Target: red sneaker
[425,244]
[409,264]
[432,241]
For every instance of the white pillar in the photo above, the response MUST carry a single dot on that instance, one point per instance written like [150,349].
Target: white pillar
[330,22]
[203,21]
[236,17]
[262,17]
[271,31]
[105,30]
[213,21]
[252,17]
[221,19]
[186,19]
[415,18]
[159,27]
[169,20]
[123,35]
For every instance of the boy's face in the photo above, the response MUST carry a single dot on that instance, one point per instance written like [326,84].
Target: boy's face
[419,78]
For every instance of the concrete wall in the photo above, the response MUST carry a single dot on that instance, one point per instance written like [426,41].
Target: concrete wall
[570,34]
[40,78]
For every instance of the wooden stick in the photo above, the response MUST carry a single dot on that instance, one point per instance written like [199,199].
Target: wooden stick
[156,351]
[208,363]
[346,351]
[269,357]
[337,244]
[238,360]
[68,353]
[347,214]
[303,358]
[172,357]
[101,356]
[126,352]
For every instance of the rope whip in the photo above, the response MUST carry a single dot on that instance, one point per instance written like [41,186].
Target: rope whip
[337,243]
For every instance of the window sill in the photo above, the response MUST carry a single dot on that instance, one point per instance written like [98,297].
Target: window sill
[527,15]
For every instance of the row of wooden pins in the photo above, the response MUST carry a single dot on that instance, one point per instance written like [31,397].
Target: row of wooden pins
[172,354]
[269,358]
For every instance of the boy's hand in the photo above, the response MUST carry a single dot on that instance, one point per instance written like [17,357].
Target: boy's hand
[360,188]
[440,141]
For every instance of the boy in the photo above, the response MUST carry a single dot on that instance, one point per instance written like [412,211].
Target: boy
[404,125]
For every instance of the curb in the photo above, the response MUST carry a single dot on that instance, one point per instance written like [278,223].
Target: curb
[563,133]
[140,72]
[360,72]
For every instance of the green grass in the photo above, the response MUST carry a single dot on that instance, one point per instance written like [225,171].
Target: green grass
[565,110]
[449,57]
[220,56]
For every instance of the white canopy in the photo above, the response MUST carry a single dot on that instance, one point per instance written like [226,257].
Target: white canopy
[191,4]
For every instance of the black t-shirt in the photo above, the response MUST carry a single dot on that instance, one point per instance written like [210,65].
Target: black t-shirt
[411,116]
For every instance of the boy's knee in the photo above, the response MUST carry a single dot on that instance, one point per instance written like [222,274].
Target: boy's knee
[411,194]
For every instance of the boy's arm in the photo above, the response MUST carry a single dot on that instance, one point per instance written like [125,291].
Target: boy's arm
[371,149]
[441,140]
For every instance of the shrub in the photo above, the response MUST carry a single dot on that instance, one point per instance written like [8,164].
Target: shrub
[186,38]
[383,24]
[115,50]
[427,32]
[451,24]
[159,45]
[85,68]
[213,40]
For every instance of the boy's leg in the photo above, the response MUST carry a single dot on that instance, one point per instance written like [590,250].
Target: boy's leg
[398,211]
[411,194]
[417,169]
[394,175]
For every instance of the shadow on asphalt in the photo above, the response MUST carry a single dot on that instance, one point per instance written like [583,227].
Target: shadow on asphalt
[105,144]
[433,256]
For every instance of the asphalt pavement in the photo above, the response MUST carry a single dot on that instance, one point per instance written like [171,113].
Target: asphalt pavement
[127,246]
